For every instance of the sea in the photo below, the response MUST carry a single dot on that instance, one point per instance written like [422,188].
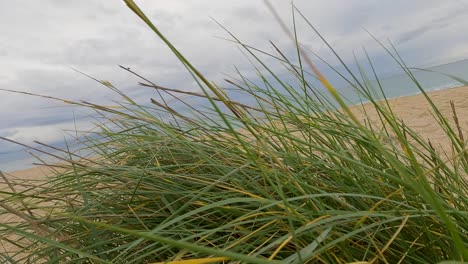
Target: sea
[430,79]
[396,85]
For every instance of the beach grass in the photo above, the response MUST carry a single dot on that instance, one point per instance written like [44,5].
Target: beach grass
[293,177]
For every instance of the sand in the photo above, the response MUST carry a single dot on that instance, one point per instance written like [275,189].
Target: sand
[20,181]
[414,110]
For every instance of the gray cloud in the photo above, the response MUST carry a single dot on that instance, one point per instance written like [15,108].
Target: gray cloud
[42,40]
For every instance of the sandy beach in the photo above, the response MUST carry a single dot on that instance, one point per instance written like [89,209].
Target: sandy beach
[416,112]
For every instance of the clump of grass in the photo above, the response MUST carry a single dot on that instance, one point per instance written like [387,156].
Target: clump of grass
[291,178]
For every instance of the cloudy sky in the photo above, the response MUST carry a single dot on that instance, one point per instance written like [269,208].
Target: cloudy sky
[41,41]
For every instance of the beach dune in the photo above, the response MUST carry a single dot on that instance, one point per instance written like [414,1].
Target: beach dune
[414,110]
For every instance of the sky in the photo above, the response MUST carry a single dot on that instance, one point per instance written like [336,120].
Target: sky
[42,42]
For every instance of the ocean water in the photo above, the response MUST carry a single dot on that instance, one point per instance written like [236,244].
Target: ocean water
[400,84]
[396,85]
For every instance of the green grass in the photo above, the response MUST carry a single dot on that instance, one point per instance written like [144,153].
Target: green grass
[295,177]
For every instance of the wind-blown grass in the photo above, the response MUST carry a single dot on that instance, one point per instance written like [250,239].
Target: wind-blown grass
[292,178]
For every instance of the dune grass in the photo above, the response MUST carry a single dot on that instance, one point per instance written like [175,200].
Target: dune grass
[295,177]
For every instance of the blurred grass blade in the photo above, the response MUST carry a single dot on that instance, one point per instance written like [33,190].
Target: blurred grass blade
[194,261]
[307,252]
